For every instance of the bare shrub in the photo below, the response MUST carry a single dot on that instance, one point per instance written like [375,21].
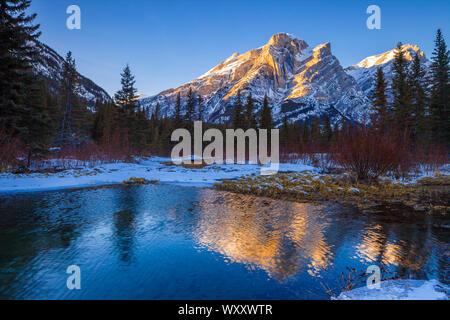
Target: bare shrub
[370,152]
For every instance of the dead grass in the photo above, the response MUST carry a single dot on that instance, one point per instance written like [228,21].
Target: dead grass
[344,189]
[139,181]
[186,166]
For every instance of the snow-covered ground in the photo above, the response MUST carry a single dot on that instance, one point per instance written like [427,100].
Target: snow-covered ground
[400,290]
[116,173]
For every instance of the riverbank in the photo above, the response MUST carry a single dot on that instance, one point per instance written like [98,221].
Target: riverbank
[153,169]
[295,181]
[428,194]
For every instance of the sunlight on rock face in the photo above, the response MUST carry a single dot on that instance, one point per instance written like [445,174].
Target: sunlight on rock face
[279,237]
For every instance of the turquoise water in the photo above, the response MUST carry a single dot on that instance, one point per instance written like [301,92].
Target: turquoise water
[172,242]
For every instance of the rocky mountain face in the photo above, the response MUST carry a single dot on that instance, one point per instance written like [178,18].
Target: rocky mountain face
[300,82]
[51,67]
[365,71]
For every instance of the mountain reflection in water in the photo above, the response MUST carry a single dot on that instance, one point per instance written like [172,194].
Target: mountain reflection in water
[173,242]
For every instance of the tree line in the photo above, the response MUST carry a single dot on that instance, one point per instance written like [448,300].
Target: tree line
[33,118]
[419,107]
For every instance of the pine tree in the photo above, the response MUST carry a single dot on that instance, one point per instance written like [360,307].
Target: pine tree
[69,86]
[199,108]
[379,100]
[419,101]
[250,119]
[238,120]
[266,115]
[127,115]
[22,105]
[327,132]
[190,107]
[401,107]
[440,91]
[125,97]
[177,115]
[155,114]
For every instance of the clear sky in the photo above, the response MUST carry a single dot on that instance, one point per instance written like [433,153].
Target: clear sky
[168,43]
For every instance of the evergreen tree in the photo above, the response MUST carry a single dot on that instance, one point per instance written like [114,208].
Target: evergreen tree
[266,115]
[22,105]
[177,117]
[190,107]
[327,133]
[125,97]
[419,101]
[129,116]
[379,100]
[104,125]
[69,86]
[401,107]
[440,91]
[155,114]
[238,121]
[199,108]
[250,119]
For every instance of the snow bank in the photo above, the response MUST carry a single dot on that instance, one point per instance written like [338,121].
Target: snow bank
[116,173]
[400,290]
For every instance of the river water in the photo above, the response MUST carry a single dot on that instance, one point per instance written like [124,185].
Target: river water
[174,242]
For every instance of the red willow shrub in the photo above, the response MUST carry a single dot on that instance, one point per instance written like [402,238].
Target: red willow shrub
[432,157]
[370,152]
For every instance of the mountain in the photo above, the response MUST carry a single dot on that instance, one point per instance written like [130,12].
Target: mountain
[365,71]
[300,81]
[51,67]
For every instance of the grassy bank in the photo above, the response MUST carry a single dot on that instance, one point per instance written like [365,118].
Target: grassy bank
[427,195]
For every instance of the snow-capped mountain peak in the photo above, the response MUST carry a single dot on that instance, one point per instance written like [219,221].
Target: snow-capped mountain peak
[51,66]
[300,82]
[409,51]
[364,71]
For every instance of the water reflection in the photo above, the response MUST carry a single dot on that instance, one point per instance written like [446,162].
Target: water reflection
[285,238]
[279,237]
[172,242]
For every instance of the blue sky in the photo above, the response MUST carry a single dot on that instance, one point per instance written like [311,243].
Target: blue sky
[168,43]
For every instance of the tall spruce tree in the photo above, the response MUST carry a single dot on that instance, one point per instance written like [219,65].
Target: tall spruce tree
[238,121]
[199,108]
[250,118]
[379,101]
[125,97]
[266,115]
[177,116]
[23,112]
[440,91]
[401,106]
[69,85]
[327,131]
[419,101]
[190,107]
[127,115]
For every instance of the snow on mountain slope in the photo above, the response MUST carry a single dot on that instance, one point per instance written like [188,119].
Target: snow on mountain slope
[365,71]
[300,82]
[51,67]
